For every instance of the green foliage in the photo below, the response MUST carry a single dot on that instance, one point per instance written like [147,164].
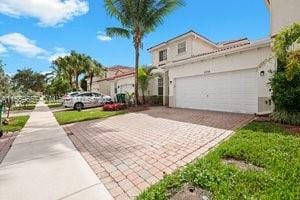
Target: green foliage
[293,64]
[58,87]
[286,94]
[83,83]
[286,81]
[260,143]
[72,116]
[284,40]
[285,117]
[4,80]
[15,123]
[144,76]
[156,100]
[72,66]
[27,79]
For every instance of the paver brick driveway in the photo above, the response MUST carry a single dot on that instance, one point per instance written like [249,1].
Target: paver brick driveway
[132,151]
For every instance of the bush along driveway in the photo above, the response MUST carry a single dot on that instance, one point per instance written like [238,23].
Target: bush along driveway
[264,163]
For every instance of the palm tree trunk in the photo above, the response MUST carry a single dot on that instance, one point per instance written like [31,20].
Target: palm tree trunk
[76,81]
[136,86]
[143,93]
[91,82]
[71,81]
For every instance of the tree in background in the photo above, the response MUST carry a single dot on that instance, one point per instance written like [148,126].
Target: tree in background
[83,83]
[77,61]
[138,18]
[144,76]
[92,69]
[4,80]
[286,81]
[73,66]
[29,80]
[58,87]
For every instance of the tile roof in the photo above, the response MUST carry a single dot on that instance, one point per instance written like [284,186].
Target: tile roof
[118,67]
[225,48]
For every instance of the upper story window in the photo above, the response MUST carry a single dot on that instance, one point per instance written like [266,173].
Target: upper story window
[162,55]
[181,47]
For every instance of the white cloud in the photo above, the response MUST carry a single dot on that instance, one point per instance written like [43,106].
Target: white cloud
[2,49]
[59,52]
[102,37]
[19,43]
[48,12]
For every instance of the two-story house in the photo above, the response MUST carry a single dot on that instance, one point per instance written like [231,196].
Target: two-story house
[230,76]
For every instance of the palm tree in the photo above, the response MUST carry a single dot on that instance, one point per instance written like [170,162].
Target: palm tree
[92,69]
[138,18]
[78,62]
[64,68]
[144,76]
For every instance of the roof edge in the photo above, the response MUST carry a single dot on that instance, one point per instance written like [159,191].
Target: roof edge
[256,44]
[182,35]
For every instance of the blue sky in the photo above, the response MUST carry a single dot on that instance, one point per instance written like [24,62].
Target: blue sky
[31,35]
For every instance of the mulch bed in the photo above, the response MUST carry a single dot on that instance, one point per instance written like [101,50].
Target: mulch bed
[5,143]
[294,130]
[137,108]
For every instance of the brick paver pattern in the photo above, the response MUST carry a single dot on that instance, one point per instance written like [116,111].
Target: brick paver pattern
[132,151]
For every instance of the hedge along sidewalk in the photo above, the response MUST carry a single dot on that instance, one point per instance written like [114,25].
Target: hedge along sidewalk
[264,144]
[72,116]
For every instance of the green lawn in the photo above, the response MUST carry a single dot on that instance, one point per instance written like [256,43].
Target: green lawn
[23,107]
[55,105]
[71,116]
[261,143]
[15,123]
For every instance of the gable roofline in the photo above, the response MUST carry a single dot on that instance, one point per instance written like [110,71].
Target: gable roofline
[220,52]
[191,32]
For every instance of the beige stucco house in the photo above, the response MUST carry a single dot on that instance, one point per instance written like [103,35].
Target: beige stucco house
[120,79]
[283,13]
[227,76]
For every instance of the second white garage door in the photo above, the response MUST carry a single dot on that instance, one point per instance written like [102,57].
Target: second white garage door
[231,91]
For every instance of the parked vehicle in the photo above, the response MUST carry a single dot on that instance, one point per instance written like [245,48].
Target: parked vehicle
[86,100]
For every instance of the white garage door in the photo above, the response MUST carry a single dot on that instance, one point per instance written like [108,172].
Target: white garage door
[230,91]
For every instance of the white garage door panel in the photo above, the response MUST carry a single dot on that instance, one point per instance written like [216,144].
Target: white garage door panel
[231,91]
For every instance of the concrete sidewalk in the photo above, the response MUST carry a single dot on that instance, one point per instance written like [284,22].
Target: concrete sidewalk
[44,164]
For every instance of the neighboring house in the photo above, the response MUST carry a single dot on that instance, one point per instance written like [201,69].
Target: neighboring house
[120,79]
[230,76]
[283,13]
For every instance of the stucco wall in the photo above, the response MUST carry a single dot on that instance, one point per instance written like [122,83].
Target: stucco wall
[241,60]
[283,13]
[194,46]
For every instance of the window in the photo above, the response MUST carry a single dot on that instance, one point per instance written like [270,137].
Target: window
[85,95]
[163,55]
[181,47]
[160,84]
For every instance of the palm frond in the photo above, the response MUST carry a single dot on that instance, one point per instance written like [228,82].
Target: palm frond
[115,31]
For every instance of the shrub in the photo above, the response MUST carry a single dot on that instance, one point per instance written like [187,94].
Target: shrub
[286,94]
[156,100]
[286,117]
[286,81]
[114,107]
